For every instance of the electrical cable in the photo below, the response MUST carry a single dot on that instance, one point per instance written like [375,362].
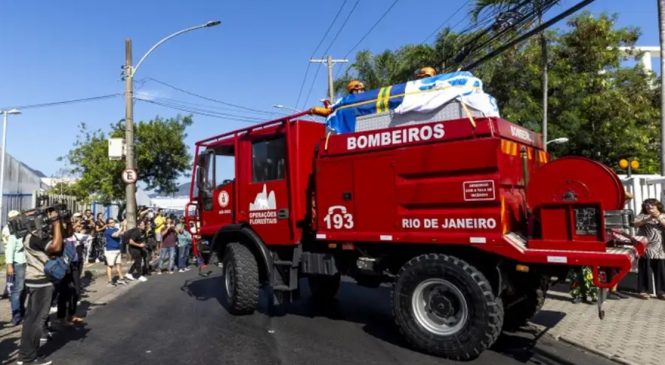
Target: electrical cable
[201,107]
[348,16]
[64,102]
[371,29]
[213,115]
[208,98]
[437,29]
[528,34]
[325,34]
[473,48]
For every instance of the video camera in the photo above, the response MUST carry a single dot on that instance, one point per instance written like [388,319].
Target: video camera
[37,220]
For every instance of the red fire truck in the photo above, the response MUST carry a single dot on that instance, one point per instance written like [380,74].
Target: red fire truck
[467,219]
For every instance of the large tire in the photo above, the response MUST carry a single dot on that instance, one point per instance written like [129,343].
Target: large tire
[324,287]
[241,279]
[519,314]
[446,307]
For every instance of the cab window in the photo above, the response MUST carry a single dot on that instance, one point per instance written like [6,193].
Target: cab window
[268,159]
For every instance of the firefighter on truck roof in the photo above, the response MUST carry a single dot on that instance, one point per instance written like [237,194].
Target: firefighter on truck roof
[424,72]
[353,87]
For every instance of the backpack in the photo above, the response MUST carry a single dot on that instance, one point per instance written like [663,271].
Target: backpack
[56,268]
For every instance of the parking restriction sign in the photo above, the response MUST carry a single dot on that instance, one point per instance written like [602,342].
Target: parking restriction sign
[129,176]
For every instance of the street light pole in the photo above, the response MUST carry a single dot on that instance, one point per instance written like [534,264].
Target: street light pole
[2,164]
[130,71]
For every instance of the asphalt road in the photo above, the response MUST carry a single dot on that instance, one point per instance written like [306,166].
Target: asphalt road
[180,319]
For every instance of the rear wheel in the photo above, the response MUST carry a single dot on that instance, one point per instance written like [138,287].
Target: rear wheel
[324,287]
[530,301]
[446,307]
[241,279]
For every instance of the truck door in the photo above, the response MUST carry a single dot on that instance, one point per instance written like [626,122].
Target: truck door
[266,197]
[216,186]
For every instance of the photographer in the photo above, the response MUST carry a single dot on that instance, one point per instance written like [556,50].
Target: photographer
[167,250]
[38,248]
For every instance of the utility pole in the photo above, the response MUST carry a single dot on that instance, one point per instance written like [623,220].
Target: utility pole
[661,24]
[329,61]
[130,188]
[544,83]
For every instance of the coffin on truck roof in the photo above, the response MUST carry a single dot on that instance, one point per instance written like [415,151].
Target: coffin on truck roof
[442,97]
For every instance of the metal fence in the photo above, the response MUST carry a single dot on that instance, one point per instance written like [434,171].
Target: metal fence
[643,187]
[42,199]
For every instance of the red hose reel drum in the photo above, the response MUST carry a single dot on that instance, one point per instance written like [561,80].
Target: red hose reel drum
[575,180]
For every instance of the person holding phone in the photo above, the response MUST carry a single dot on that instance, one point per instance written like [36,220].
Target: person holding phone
[650,223]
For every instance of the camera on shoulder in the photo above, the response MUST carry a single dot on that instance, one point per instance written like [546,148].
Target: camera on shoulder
[37,220]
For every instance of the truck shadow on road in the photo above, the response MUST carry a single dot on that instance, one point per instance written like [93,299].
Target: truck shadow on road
[370,307]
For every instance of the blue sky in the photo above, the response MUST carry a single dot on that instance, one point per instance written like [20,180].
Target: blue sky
[60,50]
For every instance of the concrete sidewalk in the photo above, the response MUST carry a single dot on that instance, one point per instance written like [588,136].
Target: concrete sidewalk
[631,333]
[95,294]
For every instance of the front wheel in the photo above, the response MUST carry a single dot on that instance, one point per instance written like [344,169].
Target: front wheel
[446,307]
[241,279]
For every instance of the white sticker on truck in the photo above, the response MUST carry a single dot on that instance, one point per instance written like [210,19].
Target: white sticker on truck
[557,259]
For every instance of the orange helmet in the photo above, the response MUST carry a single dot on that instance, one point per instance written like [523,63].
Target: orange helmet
[425,72]
[355,85]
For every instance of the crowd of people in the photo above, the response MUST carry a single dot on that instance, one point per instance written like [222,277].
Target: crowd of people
[159,243]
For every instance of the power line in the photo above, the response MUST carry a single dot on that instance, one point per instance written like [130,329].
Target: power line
[348,16]
[346,20]
[198,112]
[199,107]
[325,34]
[528,34]
[371,29]
[446,21]
[519,20]
[64,102]
[207,97]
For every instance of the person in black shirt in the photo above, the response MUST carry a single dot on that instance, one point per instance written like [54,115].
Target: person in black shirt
[135,237]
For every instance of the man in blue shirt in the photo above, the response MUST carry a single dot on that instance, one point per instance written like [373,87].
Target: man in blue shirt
[112,252]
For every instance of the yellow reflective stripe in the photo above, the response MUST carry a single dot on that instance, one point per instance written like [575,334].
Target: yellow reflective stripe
[378,100]
[382,99]
[504,219]
[386,99]
[513,148]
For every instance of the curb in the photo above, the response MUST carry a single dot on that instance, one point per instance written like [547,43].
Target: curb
[611,357]
[97,270]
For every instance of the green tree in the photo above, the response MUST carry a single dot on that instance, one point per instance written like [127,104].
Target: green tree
[161,157]
[606,109]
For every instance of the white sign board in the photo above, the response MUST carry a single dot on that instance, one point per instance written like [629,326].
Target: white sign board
[116,148]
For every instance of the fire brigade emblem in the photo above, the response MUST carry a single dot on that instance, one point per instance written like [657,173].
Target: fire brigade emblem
[223,198]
